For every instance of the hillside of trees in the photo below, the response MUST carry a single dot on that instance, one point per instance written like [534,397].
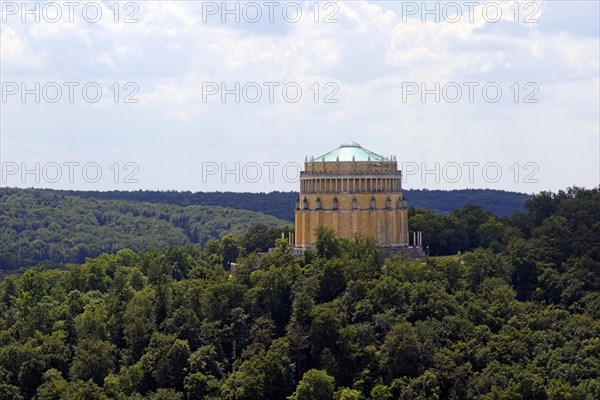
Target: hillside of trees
[59,227]
[38,225]
[281,204]
[55,228]
[519,319]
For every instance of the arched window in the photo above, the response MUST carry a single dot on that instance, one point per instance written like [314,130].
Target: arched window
[335,203]
[297,203]
[305,204]
[388,203]
[354,204]
[318,205]
[373,205]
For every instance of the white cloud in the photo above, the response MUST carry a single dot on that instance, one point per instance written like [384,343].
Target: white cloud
[15,51]
[369,53]
[105,58]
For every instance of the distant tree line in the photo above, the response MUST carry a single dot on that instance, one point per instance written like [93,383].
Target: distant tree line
[281,204]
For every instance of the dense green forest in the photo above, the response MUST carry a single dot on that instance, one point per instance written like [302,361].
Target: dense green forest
[55,228]
[38,225]
[519,319]
[281,204]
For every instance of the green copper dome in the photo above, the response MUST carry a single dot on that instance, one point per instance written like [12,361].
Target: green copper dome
[350,151]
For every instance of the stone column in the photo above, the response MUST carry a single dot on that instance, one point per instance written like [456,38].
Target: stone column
[394,215]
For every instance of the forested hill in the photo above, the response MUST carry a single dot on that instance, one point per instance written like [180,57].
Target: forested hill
[519,321]
[39,225]
[58,227]
[281,204]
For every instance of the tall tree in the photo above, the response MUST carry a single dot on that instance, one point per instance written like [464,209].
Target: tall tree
[315,385]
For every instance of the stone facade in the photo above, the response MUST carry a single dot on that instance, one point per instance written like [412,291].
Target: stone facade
[352,195]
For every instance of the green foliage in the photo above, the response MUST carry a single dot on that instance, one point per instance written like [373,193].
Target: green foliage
[381,392]
[9,392]
[245,382]
[517,319]
[260,237]
[199,386]
[315,385]
[347,394]
[466,228]
[328,244]
[230,250]
[400,351]
[93,359]
[481,264]
[57,228]
[166,360]
[166,394]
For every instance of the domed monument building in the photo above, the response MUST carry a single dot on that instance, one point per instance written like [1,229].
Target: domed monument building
[354,191]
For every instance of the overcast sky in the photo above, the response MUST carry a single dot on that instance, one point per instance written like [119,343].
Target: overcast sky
[511,95]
